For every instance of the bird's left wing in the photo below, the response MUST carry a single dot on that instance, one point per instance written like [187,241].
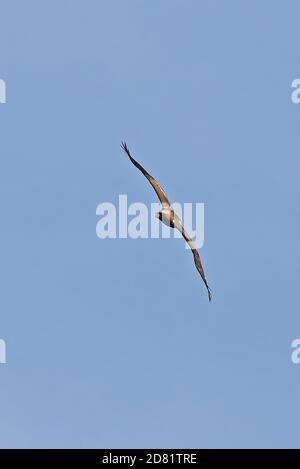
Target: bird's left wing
[157,187]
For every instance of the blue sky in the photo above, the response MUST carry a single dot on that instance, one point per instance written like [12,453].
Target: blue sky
[112,343]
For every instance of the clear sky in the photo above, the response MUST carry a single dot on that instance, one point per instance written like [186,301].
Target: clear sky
[112,343]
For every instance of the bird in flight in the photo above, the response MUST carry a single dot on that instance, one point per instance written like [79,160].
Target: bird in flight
[167,216]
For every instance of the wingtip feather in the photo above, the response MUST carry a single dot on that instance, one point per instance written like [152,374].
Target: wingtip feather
[125,148]
[209,293]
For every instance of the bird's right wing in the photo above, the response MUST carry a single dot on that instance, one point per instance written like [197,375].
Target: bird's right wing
[157,187]
[196,255]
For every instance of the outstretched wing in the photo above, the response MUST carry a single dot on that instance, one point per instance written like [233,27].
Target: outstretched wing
[196,255]
[158,189]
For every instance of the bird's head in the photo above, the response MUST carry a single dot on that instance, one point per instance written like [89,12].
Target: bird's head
[158,215]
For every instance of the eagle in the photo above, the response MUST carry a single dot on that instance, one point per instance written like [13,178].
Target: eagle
[168,216]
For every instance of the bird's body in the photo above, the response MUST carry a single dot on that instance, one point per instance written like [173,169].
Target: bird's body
[167,216]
